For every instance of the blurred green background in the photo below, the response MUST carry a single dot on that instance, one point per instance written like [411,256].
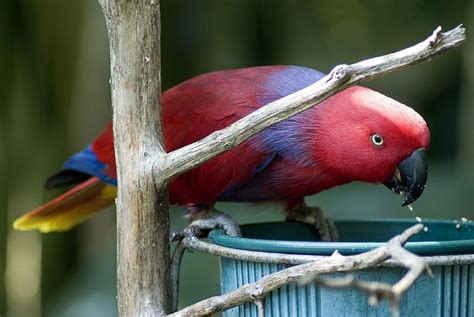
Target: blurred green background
[54,98]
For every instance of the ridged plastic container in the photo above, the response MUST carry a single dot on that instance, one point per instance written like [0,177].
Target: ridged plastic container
[447,247]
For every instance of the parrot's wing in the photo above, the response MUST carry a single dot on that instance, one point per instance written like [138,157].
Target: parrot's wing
[201,106]
[207,103]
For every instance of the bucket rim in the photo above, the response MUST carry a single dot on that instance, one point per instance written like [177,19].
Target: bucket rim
[438,250]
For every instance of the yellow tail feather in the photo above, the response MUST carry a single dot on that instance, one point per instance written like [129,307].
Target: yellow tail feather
[71,208]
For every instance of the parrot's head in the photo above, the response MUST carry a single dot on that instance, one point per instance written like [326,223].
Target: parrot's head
[366,136]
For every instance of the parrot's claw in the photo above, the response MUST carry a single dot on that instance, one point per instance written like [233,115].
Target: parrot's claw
[205,221]
[316,217]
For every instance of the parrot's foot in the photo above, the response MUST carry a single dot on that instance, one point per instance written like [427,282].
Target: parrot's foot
[316,217]
[206,220]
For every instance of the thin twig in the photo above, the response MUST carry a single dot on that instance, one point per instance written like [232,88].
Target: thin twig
[294,259]
[195,244]
[257,290]
[259,303]
[175,268]
[416,266]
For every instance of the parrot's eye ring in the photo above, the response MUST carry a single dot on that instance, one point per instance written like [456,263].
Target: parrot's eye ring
[377,140]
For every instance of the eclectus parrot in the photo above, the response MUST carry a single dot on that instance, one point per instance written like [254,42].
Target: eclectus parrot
[355,135]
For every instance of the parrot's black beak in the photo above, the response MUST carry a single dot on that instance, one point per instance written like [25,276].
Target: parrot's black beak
[410,177]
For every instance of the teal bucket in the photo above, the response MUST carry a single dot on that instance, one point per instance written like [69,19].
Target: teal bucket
[447,246]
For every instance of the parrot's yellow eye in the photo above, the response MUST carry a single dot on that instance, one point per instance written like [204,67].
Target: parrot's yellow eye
[377,140]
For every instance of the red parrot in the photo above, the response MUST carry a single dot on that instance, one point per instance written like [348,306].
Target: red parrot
[356,135]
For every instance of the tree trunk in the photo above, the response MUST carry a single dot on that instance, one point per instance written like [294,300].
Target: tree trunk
[142,206]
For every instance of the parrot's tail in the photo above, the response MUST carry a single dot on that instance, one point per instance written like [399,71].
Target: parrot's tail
[71,208]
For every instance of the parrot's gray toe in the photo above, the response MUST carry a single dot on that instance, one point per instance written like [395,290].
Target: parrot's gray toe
[206,220]
[316,217]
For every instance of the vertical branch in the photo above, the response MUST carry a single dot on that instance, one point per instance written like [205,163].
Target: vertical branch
[142,207]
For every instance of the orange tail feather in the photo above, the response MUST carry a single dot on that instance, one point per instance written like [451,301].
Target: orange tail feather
[71,208]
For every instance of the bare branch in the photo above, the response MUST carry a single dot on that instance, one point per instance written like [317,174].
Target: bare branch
[414,263]
[382,291]
[336,263]
[376,290]
[293,259]
[341,77]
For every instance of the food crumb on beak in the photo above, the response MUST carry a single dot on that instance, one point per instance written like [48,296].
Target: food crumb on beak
[409,206]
